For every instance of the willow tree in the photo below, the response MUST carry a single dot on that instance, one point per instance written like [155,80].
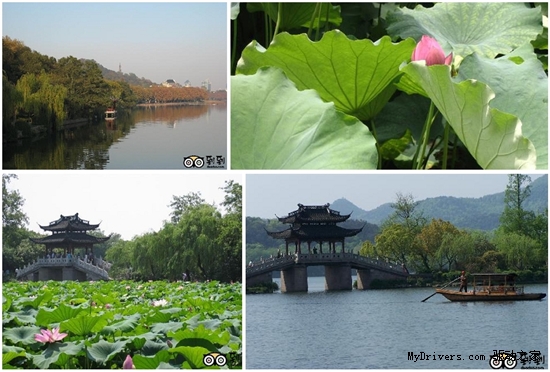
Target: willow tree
[42,99]
[11,100]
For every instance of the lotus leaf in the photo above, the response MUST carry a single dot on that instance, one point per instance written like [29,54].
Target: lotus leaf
[493,137]
[275,126]
[350,73]
[487,29]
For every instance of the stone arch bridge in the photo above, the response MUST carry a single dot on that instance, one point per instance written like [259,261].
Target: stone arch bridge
[338,268]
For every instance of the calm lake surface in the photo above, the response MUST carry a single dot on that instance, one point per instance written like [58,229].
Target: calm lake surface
[145,138]
[378,328]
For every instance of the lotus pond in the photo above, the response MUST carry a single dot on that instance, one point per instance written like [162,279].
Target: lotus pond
[158,324]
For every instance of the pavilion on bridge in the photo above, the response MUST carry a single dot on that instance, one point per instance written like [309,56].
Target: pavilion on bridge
[77,262]
[314,223]
[70,233]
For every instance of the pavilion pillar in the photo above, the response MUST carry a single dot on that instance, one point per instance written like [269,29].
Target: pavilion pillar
[294,279]
[286,244]
[338,277]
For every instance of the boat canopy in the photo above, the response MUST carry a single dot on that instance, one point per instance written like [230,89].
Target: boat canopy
[496,275]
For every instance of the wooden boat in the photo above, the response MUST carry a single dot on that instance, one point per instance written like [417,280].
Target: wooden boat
[492,287]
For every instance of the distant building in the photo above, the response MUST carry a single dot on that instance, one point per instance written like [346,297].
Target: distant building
[206,85]
[170,83]
[187,84]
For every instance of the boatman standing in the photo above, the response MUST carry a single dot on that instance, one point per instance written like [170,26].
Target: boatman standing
[463,282]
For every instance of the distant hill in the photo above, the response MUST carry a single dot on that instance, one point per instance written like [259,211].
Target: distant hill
[130,78]
[472,213]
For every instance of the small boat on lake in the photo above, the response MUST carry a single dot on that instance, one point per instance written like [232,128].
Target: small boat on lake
[492,287]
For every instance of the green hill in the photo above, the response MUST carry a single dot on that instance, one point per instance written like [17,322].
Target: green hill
[471,213]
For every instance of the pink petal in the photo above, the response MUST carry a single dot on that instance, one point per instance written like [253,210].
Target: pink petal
[128,363]
[449,59]
[435,57]
[40,338]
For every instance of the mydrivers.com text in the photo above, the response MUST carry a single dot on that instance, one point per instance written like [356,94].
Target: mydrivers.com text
[415,357]
[508,359]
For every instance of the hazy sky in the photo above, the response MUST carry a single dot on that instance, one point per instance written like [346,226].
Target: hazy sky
[270,195]
[126,203]
[157,41]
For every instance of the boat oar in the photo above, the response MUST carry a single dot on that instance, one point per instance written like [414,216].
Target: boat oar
[446,285]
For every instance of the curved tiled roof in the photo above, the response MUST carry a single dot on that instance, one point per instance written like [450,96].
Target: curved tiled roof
[314,214]
[70,237]
[69,223]
[314,232]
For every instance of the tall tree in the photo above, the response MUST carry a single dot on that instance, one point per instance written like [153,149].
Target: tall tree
[431,239]
[16,248]
[183,204]
[230,235]
[233,199]
[13,217]
[515,218]
[405,223]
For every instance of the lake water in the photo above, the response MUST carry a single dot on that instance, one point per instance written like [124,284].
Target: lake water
[145,138]
[378,329]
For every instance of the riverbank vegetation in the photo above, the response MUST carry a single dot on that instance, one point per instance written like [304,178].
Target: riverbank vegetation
[519,244]
[41,92]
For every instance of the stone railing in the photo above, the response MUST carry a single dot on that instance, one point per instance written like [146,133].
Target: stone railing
[273,264]
[270,263]
[65,261]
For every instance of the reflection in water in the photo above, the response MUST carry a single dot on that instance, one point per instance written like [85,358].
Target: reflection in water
[145,138]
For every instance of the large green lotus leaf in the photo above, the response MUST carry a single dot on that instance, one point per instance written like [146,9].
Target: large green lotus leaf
[493,137]
[275,126]
[350,73]
[152,347]
[294,15]
[8,357]
[54,352]
[62,312]
[520,89]
[200,332]
[25,335]
[84,325]
[6,303]
[28,315]
[142,362]
[35,302]
[193,355]
[102,351]
[484,28]
[128,324]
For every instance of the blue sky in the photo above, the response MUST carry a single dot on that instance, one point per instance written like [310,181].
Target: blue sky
[270,195]
[158,41]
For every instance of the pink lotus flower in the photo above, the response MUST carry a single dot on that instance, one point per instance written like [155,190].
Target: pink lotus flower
[128,363]
[49,336]
[429,50]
